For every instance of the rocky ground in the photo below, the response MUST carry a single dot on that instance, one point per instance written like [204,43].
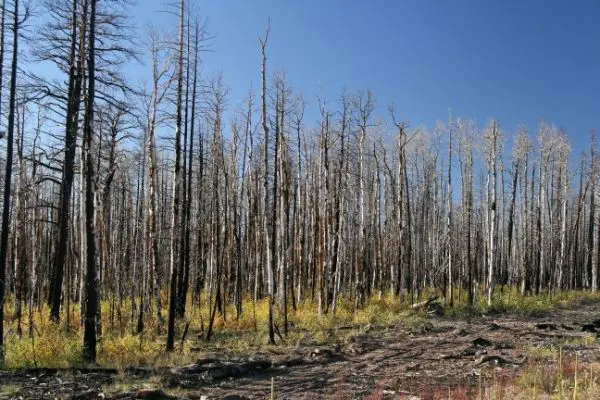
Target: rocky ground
[426,359]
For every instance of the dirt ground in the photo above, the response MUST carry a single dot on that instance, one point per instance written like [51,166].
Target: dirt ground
[420,360]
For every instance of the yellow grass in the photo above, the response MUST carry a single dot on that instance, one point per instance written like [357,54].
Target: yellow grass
[61,345]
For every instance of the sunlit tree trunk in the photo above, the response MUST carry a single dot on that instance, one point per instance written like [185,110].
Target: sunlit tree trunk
[492,217]
[175,207]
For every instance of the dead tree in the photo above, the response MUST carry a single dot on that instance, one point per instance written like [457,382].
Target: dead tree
[449,227]
[76,64]
[492,170]
[265,125]
[91,279]
[6,210]
[175,228]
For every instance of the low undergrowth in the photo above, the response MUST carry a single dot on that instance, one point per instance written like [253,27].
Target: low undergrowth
[60,345]
[552,377]
[507,299]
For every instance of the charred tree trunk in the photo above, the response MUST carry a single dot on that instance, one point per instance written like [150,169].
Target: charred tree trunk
[8,171]
[175,228]
[91,279]
[74,99]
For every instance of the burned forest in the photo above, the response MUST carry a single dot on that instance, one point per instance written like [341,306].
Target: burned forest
[155,223]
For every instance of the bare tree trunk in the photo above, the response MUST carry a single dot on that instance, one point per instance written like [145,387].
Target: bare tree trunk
[19,237]
[8,171]
[492,219]
[270,274]
[541,222]
[188,202]
[74,96]
[34,229]
[365,108]
[449,227]
[176,191]
[91,280]
[511,212]
[591,264]
[184,250]
[339,195]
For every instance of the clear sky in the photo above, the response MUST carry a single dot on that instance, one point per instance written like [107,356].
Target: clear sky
[517,61]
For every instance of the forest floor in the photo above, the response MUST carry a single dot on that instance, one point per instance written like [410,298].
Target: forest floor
[554,354]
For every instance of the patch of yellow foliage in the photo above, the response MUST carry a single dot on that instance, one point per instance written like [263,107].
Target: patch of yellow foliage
[60,345]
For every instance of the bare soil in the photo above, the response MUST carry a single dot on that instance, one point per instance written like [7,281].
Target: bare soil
[420,361]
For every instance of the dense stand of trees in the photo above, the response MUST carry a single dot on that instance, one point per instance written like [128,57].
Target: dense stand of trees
[123,193]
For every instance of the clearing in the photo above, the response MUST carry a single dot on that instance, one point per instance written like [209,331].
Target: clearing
[429,357]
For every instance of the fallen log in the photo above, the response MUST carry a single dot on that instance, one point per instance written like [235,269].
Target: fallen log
[211,370]
[235,370]
[425,303]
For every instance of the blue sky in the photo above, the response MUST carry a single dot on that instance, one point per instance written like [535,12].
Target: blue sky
[517,61]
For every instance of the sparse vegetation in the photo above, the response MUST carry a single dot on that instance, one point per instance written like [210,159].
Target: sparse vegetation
[150,221]
[7,391]
[59,345]
[550,368]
